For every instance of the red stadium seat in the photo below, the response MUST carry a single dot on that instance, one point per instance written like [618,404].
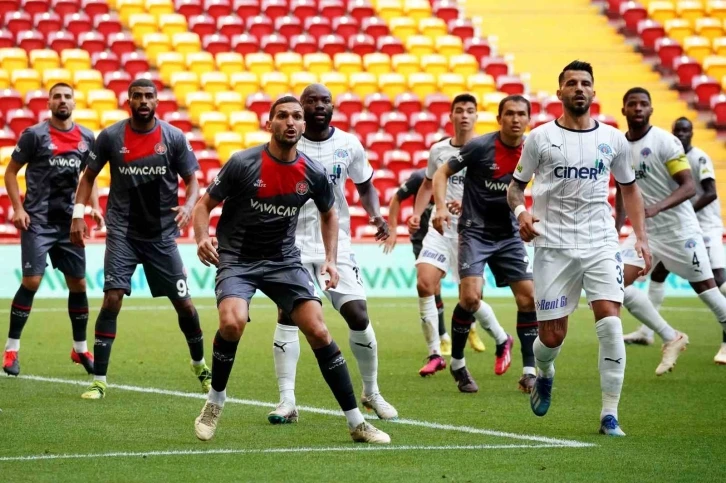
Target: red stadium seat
[37,101]
[78,23]
[362,44]
[259,103]
[510,84]
[289,26]
[274,44]
[495,66]
[424,123]
[117,81]
[334,9]
[384,179]
[433,138]
[632,13]
[105,62]
[19,120]
[64,7]
[216,43]
[390,45]
[718,106]
[30,40]
[203,25]
[411,142]
[260,25]
[340,121]
[230,25]
[211,173]
[553,106]
[376,27]
[667,50]
[446,124]
[94,7]
[378,104]
[380,143]
[135,63]
[188,8]
[462,28]
[397,160]
[34,7]
[361,10]
[60,41]
[167,103]
[218,8]
[649,31]
[304,44]
[47,22]
[7,139]
[208,160]
[345,26]
[408,104]
[541,118]
[477,47]
[595,107]
[153,77]
[613,10]
[364,124]
[107,24]
[10,99]
[196,141]
[274,8]
[394,123]
[7,6]
[373,159]
[332,44]
[420,158]
[9,232]
[705,87]
[7,40]
[438,104]
[123,103]
[535,105]
[245,44]
[304,9]
[318,26]
[447,10]
[120,43]
[358,218]
[92,42]
[349,104]
[247,8]
[180,120]
[18,22]
[686,69]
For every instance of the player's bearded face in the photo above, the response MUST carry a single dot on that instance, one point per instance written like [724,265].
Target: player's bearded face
[576,92]
[637,110]
[683,130]
[288,125]
[143,103]
[61,103]
[318,111]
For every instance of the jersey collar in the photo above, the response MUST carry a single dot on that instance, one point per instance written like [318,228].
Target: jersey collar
[597,125]
[641,137]
[332,131]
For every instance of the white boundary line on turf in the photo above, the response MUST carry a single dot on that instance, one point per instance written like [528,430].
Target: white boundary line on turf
[328,412]
[338,449]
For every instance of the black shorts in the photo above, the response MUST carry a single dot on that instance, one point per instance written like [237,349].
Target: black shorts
[43,240]
[417,246]
[286,283]
[507,258]
[162,264]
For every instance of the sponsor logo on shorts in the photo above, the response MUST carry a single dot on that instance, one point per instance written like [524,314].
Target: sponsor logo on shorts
[27,265]
[279,210]
[82,146]
[439,257]
[65,162]
[160,148]
[142,170]
[553,304]
[465,266]
[691,243]
[301,188]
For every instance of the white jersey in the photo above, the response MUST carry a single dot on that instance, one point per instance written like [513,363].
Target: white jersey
[571,183]
[439,154]
[709,217]
[655,155]
[343,156]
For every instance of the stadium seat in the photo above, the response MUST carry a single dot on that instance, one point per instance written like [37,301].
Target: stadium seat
[667,50]
[120,43]
[344,26]
[632,13]
[259,103]
[41,60]
[107,24]
[259,63]
[649,31]
[304,9]
[376,63]
[390,45]
[678,29]
[446,124]
[482,84]
[60,41]
[553,106]
[126,8]
[179,120]
[183,83]
[363,123]
[13,59]
[422,84]
[350,104]
[336,82]
[212,123]
[435,64]
[486,122]
[705,87]
[229,26]
[451,84]
[260,25]
[275,84]
[171,23]
[697,47]
[243,121]
[135,63]
[4,79]
[463,64]
[153,77]
[433,27]
[317,63]
[198,103]
[218,8]
[410,142]
[300,80]
[318,26]
[375,27]
[340,121]
[392,84]
[245,44]
[167,103]
[424,123]
[186,42]
[333,9]
[397,160]
[462,28]
[159,7]
[17,22]
[87,118]
[246,8]
[719,46]
[208,160]
[408,104]
[403,27]
[358,218]
[406,64]
[255,138]
[78,23]
[7,140]
[347,63]
[661,11]
[30,40]
[378,104]
[245,83]
[169,63]
[202,25]
[304,44]
[394,123]
[46,23]
[92,42]
[361,10]
[477,47]
[375,163]
[288,26]
[384,179]
[419,45]
[686,69]
[714,66]
[716,9]
[37,101]
[25,80]
[112,116]
[363,84]
[332,45]
[510,85]
[541,118]
[86,80]
[214,82]
[718,106]
[33,7]
[101,100]
[229,62]
[196,141]
[690,10]
[450,45]
[495,66]
[709,27]
[215,44]
[274,8]
[200,62]
[380,143]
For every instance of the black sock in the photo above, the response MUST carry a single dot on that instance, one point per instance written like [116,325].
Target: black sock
[527,330]
[222,361]
[20,311]
[78,312]
[193,333]
[105,335]
[723,337]
[440,308]
[335,372]
[461,321]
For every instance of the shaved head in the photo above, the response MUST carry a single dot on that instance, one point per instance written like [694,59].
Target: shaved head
[317,102]
[316,90]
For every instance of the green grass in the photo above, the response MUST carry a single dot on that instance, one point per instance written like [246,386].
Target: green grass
[675,423]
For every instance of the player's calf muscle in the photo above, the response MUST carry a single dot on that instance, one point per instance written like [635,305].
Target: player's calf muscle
[553,332]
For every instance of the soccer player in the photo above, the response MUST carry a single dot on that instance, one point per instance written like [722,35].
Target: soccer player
[55,152]
[664,176]
[147,157]
[263,190]
[576,244]
[488,233]
[440,250]
[342,155]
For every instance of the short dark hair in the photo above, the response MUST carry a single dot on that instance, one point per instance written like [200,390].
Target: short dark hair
[515,98]
[59,84]
[576,65]
[463,98]
[141,83]
[283,100]
[635,90]
[682,119]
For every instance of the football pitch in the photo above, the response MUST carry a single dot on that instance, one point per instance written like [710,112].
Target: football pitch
[143,430]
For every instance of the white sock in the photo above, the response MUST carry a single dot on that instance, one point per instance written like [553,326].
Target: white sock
[100,378]
[638,304]
[365,349]
[354,417]
[286,352]
[545,357]
[446,337]
[529,370]
[656,294]
[430,323]
[485,316]
[80,347]
[12,345]
[611,363]
[717,303]
[217,398]
[722,288]
[198,363]
[457,364]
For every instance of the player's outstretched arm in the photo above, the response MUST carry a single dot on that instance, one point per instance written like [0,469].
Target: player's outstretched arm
[685,191]
[394,208]
[206,246]
[442,217]
[372,205]
[79,229]
[184,213]
[633,202]
[329,230]
[515,200]
[21,219]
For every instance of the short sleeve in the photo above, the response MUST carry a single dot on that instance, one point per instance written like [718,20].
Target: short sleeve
[411,186]
[529,160]
[622,164]
[705,168]
[359,170]
[322,193]
[226,181]
[184,161]
[470,151]
[98,155]
[671,149]
[24,150]
[91,141]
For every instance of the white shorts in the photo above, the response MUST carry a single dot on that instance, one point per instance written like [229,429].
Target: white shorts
[441,252]
[561,274]
[714,245]
[350,284]
[686,257]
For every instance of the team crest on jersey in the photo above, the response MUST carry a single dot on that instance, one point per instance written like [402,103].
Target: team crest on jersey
[702,160]
[691,243]
[301,188]
[82,146]
[340,154]
[605,149]
[618,257]
[160,148]
[646,152]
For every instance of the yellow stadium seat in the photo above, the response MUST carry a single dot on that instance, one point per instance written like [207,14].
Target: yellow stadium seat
[172,23]
[435,64]
[661,11]
[182,83]
[486,122]
[256,138]
[715,66]
[363,84]
[159,7]
[214,81]
[259,62]
[490,102]
[112,117]
[449,45]
[433,27]
[403,27]
[168,63]
[13,59]
[480,84]
[377,63]
[389,9]
[186,42]
[227,143]
[697,47]
[75,59]
[419,45]
[54,76]
[197,103]
[200,62]
[25,80]
[464,64]
[347,63]
[288,62]
[417,9]
[87,80]
[336,82]
[87,118]
[5,154]
[44,59]
[392,84]
[716,9]
[80,99]
[406,64]
[128,7]
[678,29]
[4,79]
[102,100]
[690,10]
[103,180]
[243,122]
[154,44]
[230,62]
[246,83]
[452,84]
[212,123]
[317,63]
[719,46]
[300,80]
[275,84]
[228,102]
[142,24]
[709,27]
[422,84]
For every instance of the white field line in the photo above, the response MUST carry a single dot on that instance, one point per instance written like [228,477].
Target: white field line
[338,449]
[328,412]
